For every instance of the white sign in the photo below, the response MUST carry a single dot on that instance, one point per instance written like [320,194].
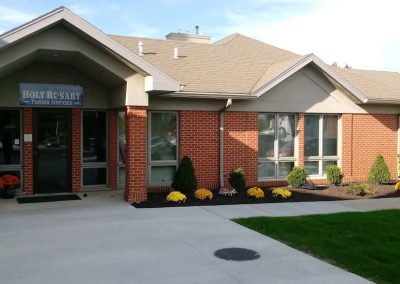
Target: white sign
[28,137]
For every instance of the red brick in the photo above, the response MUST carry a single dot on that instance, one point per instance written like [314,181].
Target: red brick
[136,147]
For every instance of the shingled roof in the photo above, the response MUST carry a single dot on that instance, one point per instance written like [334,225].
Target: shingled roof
[377,86]
[234,64]
[241,65]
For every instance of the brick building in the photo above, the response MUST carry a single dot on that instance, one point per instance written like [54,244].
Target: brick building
[81,110]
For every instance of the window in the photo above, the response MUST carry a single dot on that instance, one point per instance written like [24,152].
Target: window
[94,148]
[276,145]
[10,142]
[121,147]
[163,147]
[320,143]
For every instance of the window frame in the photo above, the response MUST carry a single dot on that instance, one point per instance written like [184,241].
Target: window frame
[92,165]
[120,164]
[151,163]
[276,159]
[17,167]
[320,158]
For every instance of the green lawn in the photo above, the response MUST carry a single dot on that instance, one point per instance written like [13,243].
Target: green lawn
[365,243]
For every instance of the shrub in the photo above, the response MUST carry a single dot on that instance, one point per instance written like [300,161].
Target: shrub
[397,186]
[176,196]
[185,179]
[281,192]
[379,172]
[237,179]
[360,189]
[203,194]
[334,174]
[255,192]
[297,177]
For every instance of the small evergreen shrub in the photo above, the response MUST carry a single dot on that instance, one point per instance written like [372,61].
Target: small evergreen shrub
[334,174]
[379,172]
[297,177]
[360,189]
[237,179]
[185,179]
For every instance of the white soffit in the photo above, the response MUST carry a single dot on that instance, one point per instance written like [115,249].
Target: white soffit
[159,81]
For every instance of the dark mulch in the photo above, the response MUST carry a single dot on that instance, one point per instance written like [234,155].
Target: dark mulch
[48,198]
[328,193]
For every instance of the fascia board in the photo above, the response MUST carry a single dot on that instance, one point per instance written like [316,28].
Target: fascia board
[161,81]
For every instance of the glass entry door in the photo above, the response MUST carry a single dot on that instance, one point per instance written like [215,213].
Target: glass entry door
[52,151]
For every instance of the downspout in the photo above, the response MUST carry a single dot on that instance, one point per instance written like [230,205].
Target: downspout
[221,141]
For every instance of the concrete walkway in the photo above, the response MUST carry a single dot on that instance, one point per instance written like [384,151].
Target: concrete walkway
[102,239]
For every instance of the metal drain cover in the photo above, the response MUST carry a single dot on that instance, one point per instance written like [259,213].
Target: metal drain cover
[237,254]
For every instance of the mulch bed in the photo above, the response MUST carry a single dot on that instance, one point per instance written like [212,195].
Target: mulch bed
[329,193]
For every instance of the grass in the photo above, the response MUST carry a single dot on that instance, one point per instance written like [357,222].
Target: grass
[365,243]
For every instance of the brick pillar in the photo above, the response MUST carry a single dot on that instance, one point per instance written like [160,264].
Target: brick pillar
[136,148]
[28,151]
[300,139]
[347,145]
[112,148]
[76,150]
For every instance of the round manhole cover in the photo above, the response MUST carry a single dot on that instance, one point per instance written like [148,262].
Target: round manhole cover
[237,254]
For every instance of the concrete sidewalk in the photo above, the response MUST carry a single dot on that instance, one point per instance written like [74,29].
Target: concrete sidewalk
[302,208]
[102,239]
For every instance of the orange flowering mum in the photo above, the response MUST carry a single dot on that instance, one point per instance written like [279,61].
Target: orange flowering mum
[10,180]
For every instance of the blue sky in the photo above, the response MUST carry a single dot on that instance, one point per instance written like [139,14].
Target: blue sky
[364,34]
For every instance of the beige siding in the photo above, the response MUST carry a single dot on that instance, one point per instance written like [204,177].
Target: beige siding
[305,91]
[17,64]
[95,95]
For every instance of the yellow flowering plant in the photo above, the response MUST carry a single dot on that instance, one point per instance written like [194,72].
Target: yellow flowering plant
[176,196]
[281,192]
[397,186]
[203,194]
[255,192]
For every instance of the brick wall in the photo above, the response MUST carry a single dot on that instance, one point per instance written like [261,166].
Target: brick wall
[199,139]
[364,136]
[241,144]
[112,148]
[300,139]
[135,163]
[27,151]
[76,149]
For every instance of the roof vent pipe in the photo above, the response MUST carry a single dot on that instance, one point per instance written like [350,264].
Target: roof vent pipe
[176,53]
[197,30]
[140,45]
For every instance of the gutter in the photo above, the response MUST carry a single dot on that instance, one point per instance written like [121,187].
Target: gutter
[221,141]
[383,101]
[224,96]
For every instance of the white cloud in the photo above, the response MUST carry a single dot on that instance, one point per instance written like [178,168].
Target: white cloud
[363,34]
[14,16]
